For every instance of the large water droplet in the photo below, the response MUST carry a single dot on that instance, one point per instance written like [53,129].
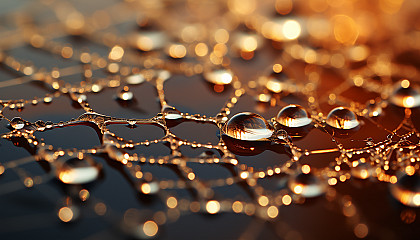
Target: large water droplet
[307,185]
[407,97]
[125,94]
[342,118]
[293,116]
[219,76]
[407,189]
[248,126]
[171,112]
[17,123]
[78,171]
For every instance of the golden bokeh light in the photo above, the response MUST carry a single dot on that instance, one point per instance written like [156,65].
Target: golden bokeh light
[213,207]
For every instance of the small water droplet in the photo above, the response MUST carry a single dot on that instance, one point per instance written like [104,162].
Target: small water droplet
[171,112]
[17,123]
[307,185]
[48,99]
[125,94]
[248,126]
[342,118]
[135,79]
[40,125]
[219,76]
[407,97]
[78,171]
[293,116]
[374,109]
[407,189]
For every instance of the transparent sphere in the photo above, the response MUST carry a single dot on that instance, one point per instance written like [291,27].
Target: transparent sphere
[17,123]
[77,171]
[307,185]
[171,112]
[219,76]
[407,189]
[248,126]
[293,116]
[125,94]
[342,118]
[407,97]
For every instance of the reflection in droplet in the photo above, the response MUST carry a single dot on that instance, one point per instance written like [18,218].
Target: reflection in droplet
[248,126]
[407,189]
[219,76]
[405,96]
[342,118]
[125,94]
[171,112]
[76,171]
[374,109]
[293,116]
[307,185]
[17,123]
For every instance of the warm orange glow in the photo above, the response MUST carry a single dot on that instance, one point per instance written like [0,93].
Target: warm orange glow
[172,202]
[65,214]
[361,230]
[287,200]
[263,201]
[345,29]
[150,228]
[272,211]
[306,169]
[117,52]
[213,207]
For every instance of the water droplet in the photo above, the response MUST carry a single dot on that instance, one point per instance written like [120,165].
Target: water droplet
[17,123]
[219,76]
[81,98]
[248,126]
[171,112]
[276,82]
[293,116]
[125,94]
[48,99]
[342,118]
[40,125]
[405,97]
[135,79]
[78,171]
[307,185]
[407,189]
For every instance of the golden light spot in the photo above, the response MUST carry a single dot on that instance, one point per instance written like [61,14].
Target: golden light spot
[113,67]
[191,176]
[263,201]
[65,214]
[416,199]
[291,29]
[408,102]
[201,49]
[345,29]
[177,51]
[237,207]
[1,169]
[221,36]
[171,202]
[393,180]
[284,6]
[249,43]
[117,52]
[361,230]
[67,52]
[343,178]
[244,175]
[84,195]
[213,207]
[244,7]
[298,189]
[405,83]
[359,53]
[410,170]
[150,228]
[29,182]
[272,211]
[358,80]
[332,181]
[100,209]
[286,199]
[277,68]
[306,169]
[145,188]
